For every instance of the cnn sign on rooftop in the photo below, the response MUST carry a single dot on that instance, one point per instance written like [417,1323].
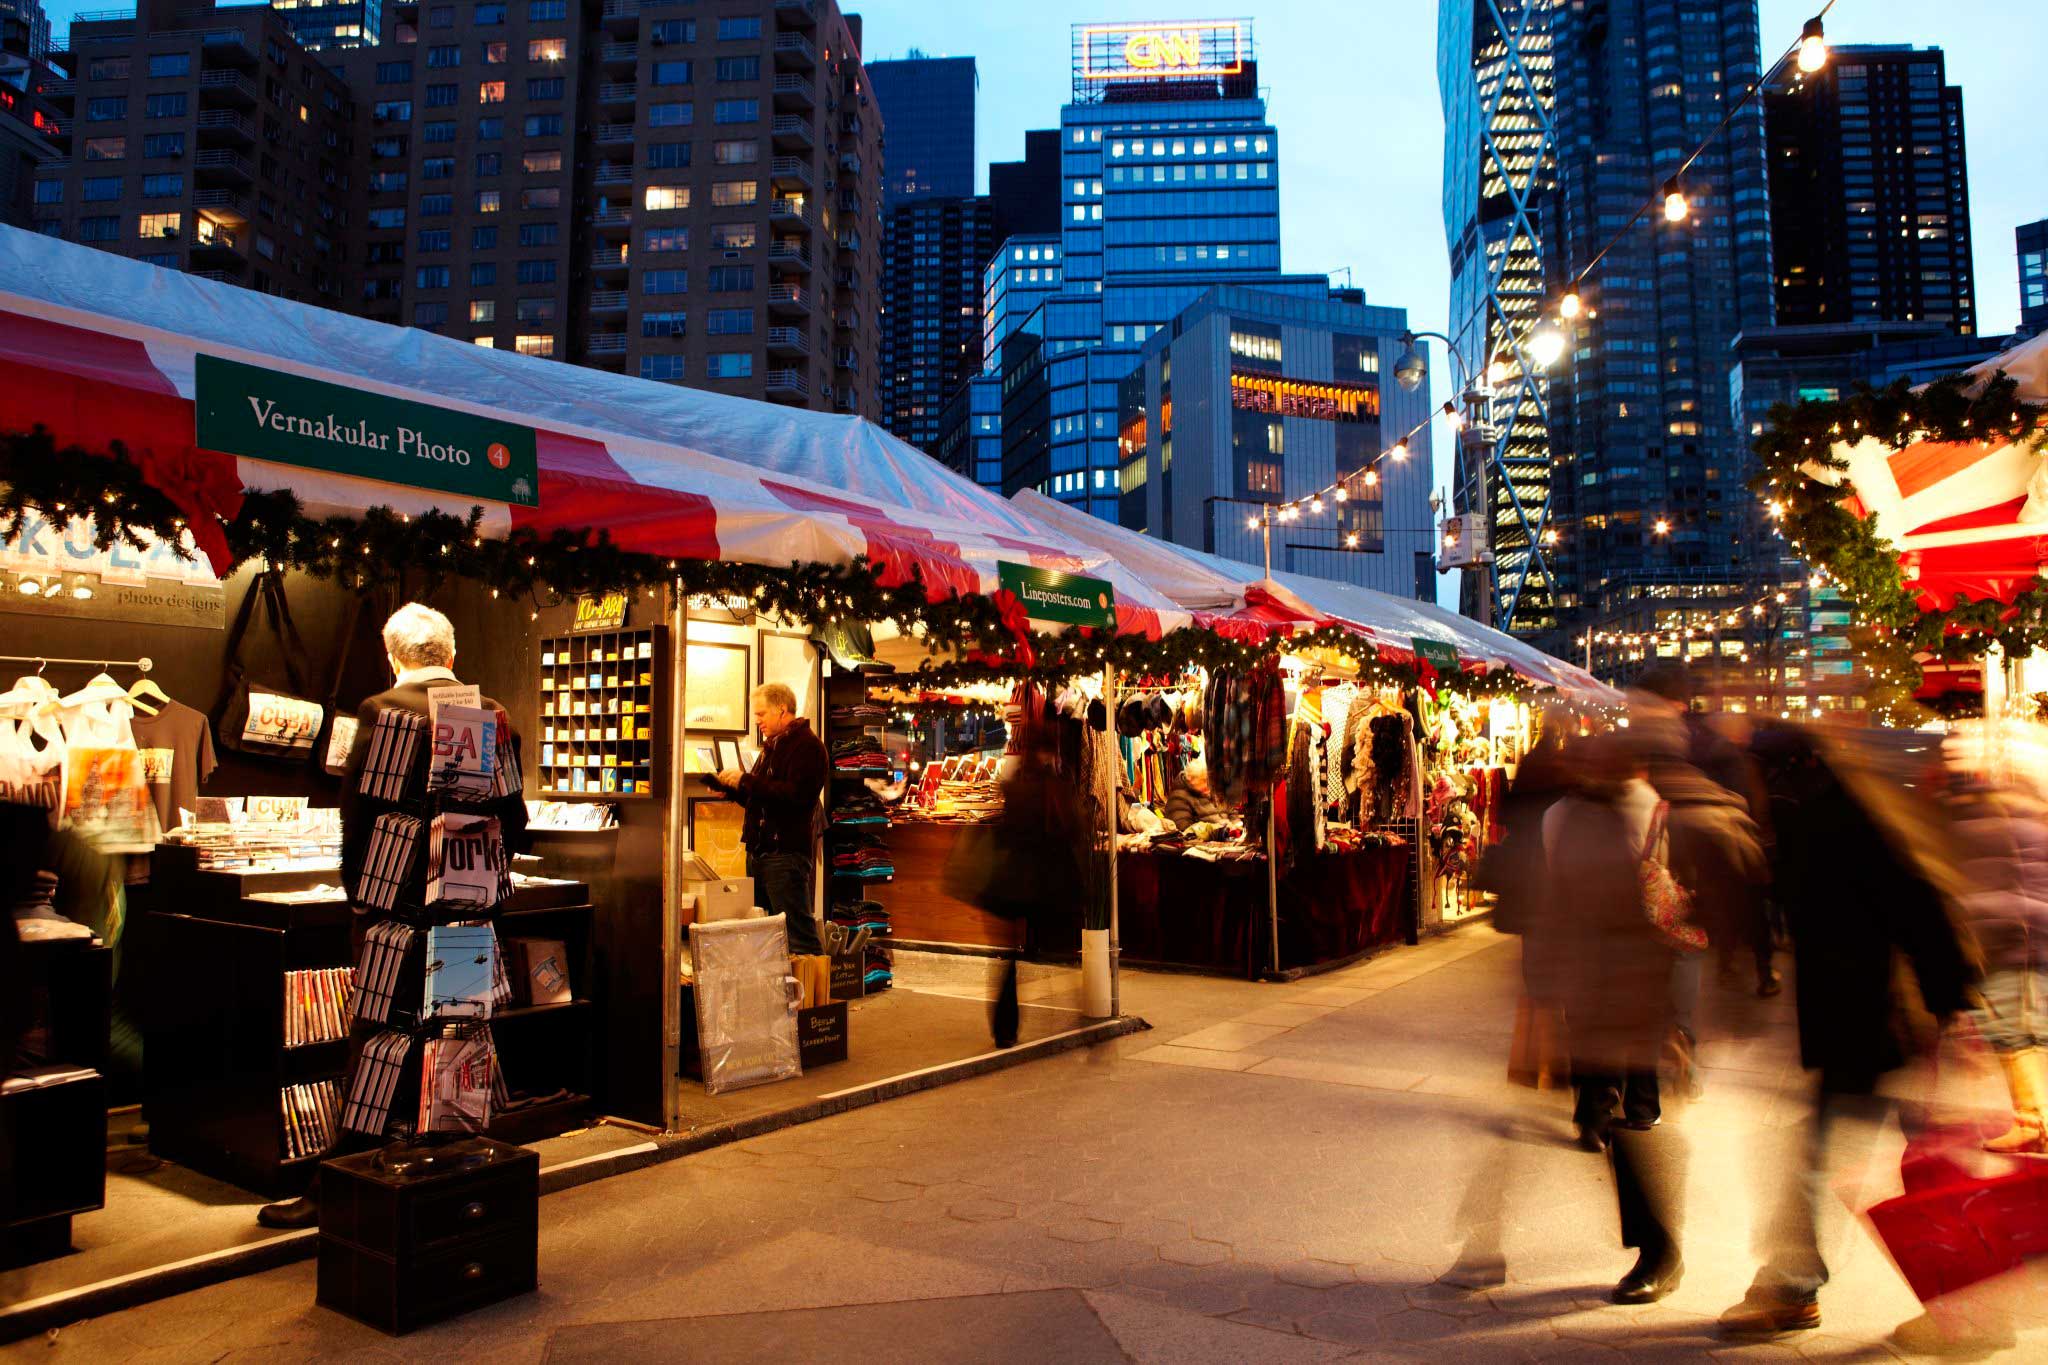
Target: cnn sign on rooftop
[1162,50]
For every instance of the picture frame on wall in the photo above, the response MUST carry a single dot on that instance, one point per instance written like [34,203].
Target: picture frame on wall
[715,688]
[790,659]
[715,834]
[729,757]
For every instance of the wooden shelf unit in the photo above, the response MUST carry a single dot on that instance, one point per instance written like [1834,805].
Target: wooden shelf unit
[609,749]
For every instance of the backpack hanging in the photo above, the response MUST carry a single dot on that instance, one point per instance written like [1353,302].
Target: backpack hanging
[1666,903]
[259,718]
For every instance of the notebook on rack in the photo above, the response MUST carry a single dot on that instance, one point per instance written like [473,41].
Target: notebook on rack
[466,862]
[463,977]
[392,759]
[455,1080]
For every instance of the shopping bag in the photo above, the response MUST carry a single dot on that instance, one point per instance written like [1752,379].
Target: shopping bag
[261,718]
[1951,1228]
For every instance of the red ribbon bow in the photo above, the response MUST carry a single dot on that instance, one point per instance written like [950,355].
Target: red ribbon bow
[206,486]
[1015,620]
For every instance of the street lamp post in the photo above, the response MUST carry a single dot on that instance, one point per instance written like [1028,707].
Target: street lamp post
[1475,442]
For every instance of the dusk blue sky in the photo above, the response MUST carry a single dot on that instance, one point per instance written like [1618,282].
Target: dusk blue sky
[1352,88]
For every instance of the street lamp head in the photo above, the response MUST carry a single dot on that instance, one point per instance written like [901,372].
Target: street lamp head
[1411,369]
[1571,305]
[1813,46]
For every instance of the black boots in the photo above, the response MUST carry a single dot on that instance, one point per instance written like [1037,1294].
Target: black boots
[293,1214]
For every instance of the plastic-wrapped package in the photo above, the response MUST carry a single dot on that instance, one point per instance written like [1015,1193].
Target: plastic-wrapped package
[746,1002]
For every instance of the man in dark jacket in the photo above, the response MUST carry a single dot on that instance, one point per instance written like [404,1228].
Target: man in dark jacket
[1857,888]
[781,825]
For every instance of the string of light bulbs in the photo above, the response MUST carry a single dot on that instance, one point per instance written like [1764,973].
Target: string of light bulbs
[1367,474]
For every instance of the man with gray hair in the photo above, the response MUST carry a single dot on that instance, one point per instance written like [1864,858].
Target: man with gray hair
[781,826]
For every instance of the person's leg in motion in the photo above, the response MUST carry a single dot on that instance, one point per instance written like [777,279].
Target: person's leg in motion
[783,882]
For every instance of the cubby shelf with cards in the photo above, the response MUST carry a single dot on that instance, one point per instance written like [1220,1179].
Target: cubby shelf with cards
[600,703]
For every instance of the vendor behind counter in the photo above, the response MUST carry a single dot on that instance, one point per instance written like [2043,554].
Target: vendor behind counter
[1191,801]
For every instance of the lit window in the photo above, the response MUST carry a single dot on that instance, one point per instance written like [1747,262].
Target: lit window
[487,201]
[660,198]
[547,50]
[152,225]
[534,344]
[483,310]
[491,92]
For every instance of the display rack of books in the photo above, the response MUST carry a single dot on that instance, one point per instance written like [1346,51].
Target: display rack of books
[858,865]
[600,700]
[460,959]
[53,1101]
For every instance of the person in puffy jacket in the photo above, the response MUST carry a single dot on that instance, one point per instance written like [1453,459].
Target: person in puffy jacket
[2002,853]
[1192,801]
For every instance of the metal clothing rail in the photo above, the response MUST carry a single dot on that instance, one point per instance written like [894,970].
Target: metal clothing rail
[142,665]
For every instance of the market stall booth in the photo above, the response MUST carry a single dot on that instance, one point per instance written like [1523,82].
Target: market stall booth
[315,471]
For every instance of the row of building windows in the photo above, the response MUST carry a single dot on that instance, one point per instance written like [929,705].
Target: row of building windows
[1220,146]
[1162,175]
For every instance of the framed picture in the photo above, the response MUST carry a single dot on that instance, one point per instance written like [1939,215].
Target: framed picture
[729,756]
[703,758]
[791,660]
[715,834]
[715,688]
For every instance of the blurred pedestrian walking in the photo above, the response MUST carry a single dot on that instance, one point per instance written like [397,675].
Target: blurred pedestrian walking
[1036,860]
[1613,976]
[1860,881]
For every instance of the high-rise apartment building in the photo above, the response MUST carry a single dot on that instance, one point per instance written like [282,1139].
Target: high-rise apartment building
[2030,245]
[1494,76]
[534,179]
[1169,186]
[321,24]
[31,129]
[1650,494]
[25,29]
[205,140]
[928,106]
[931,329]
[1869,194]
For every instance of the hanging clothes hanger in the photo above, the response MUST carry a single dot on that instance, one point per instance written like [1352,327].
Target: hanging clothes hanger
[142,692]
[101,689]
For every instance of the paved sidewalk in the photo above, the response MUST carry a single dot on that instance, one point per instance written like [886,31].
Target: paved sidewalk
[1275,1172]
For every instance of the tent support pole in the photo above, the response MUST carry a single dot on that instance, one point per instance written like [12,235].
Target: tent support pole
[1273,879]
[675,838]
[1116,978]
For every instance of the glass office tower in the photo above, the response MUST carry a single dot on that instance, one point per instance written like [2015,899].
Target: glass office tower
[1169,187]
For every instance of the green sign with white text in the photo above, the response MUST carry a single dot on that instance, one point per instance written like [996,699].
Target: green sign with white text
[269,415]
[1066,598]
[1442,657]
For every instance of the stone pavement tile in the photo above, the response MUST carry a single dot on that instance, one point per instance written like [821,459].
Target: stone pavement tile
[1334,995]
[1232,1037]
[1198,1057]
[1158,1335]
[1217,1290]
[1080,1230]
[1340,1073]
[1314,1274]
[1057,1325]
[1287,1015]
[1194,1252]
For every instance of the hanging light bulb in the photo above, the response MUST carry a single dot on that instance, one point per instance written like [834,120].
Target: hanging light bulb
[1251,523]
[1399,452]
[1813,46]
[1497,373]
[1677,208]
[1351,541]
[1549,535]
[1315,505]
[1342,494]
[1570,306]
[1663,527]
[1372,478]
[1546,345]
[1452,418]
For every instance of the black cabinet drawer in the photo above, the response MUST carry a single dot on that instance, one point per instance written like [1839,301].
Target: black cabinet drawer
[479,1272]
[480,1209]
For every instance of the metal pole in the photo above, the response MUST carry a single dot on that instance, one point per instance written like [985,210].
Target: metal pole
[1273,880]
[1266,533]
[1115,969]
[675,836]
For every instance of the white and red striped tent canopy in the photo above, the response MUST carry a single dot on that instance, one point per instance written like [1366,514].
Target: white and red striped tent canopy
[1206,582]
[1967,519]
[97,348]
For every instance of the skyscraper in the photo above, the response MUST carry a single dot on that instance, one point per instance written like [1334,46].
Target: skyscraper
[321,24]
[928,108]
[1494,76]
[936,236]
[1027,192]
[1169,186]
[1650,466]
[1870,198]
[2030,243]
[932,256]
[25,29]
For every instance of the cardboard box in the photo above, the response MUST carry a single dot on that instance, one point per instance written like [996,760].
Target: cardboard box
[821,1035]
[717,898]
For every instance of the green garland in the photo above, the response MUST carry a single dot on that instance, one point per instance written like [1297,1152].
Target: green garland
[382,547]
[1889,628]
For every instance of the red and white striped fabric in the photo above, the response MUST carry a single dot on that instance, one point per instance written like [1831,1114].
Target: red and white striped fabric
[1968,519]
[100,349]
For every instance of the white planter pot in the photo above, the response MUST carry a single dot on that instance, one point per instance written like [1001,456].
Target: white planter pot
[1095,993]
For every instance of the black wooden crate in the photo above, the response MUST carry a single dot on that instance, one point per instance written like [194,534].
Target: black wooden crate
[401,1248]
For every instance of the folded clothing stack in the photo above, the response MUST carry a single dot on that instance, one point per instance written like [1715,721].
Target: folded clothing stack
[866,713]
[879,975]
[872,916]
[869,862]
[858,810]
[861,753]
